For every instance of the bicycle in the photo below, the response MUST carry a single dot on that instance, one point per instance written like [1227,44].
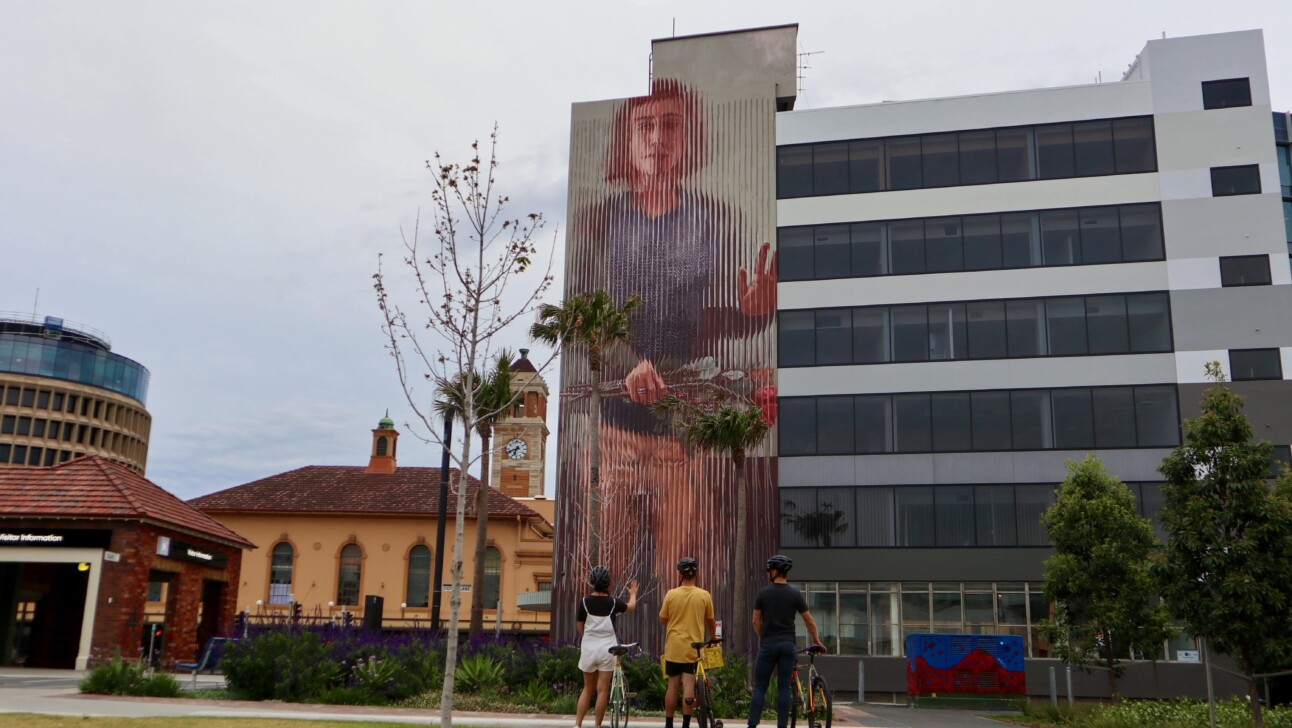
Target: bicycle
[815,705]
[617,705]
[703,689]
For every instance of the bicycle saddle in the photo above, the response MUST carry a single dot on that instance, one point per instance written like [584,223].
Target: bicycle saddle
[621,650]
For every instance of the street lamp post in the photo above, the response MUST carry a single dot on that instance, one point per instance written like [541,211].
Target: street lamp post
[439,525]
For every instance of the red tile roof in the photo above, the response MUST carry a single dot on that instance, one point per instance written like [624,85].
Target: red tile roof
[349,489]
[95,487]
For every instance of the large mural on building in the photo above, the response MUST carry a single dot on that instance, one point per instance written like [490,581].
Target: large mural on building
[671,199]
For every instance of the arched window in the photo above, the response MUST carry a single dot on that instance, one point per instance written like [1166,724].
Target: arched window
[381,446]
[419,576]
[280,574]
[347,583]
[493,577]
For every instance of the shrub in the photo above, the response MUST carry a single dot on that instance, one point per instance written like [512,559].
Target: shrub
[129,677]
[477,673]
[288,666]
[559,667]
[535,692]
[731,693]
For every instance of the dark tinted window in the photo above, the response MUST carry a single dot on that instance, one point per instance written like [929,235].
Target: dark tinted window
[910,333]
[987,336]
[794,254]
[1025,323]
[1114,409]
[1247,364]
[1030,418]
[794,171]
[873,424]
[904,163]
[982,242]
[947,331]
[870,336]
[955,516]
[1054,151]
[941,157]
[869,251]
[915,517]
[830,168]
[1148,316]
[1242,180]
[1061,237]
[994,515]
[991,420]
[907,246]
[1245,270]
[1014,160]
[1092,143]
[911,423]
[1141,232]
[1106,327]
[833,250]
[1133,145]
[834,423]
[797,338]
[834,336]
[797,426]
[1226,94]
[1066,326]
[977,157]
[1020,240]
[1101,240]
[866,166]
[1074,427]
[943,245]
[1157,419]
[951,422]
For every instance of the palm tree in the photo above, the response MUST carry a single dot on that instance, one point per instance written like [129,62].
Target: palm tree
[733,431]
[493,396]
[592,320]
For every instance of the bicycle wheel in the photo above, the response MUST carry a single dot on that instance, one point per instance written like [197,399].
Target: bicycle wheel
[618,702]
[703,704]
[822,708]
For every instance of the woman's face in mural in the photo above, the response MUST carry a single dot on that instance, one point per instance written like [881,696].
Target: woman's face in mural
[656,135]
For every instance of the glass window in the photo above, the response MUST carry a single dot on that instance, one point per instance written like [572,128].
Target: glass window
[1247,364]
[1032,501]
[1100,235]
[870,335]
[1152,501]
[982,242]
[830,168]
[943,247]
[874,426]
[834,336]
[994,515]
[280,574]
[1241,180]
[24,425]
[991,420]
[1030,419]
[1066,326]
[977,157]
[796,334]
[794,171]
[1106,325]
[869,253]
[955,514]
[1014,161]
[941,160]
[823,601]
[798,426]
[794,254]
[349,575]
[903,163]
[1226,94]
[28,398]
[1092,143]
[947,616]
[8,423]
[910,333]
[1021,240]
[853,623]
[834,517]
[419,577]
[980,613]
[834,421]
[987,337]
[1061,237]
[1245,270]
[885,622]
[11,396]
[866,166]
[4,452]
[951,428]
[906,239]
[1025,326]
[947,331]
[42,399]
[1157,420]
[915,524]
[492,577]
[1149,317]
[911,423]
[1074,427]
[798,506]
[1141,232]
[1114,416]
[1134,145]
[875,512]
[1054,151]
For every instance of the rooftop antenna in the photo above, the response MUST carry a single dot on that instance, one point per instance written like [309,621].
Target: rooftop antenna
[674,26]
[35,303]
[805,58]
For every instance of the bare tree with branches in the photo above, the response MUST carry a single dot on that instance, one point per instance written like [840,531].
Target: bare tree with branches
[471,281]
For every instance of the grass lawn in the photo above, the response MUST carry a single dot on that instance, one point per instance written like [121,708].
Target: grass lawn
[27,720]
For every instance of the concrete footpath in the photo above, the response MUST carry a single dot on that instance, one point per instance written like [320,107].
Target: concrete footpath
[53,692]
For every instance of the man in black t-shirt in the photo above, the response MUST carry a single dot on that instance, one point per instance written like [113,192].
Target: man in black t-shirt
[774,611]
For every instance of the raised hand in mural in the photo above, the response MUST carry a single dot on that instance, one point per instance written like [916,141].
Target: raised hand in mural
[644,384]
[757,293]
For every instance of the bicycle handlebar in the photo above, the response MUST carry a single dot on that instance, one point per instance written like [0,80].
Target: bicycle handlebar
[709,643]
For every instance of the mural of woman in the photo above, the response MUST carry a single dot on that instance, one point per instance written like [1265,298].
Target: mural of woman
[702,333]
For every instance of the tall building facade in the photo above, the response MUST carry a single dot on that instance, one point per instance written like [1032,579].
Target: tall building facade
[66,394]
[975,290]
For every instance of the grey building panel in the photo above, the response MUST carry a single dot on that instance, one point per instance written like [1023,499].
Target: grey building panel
[1248,317]
[1041,466]
[1267,406]
[894,469]
[909,564]
[973,467]
[1235,225]
[817,470]
[1050,466]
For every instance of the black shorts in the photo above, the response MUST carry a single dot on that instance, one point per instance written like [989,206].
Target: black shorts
[673,669]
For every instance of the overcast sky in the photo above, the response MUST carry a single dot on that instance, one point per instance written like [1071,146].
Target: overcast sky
[211,183]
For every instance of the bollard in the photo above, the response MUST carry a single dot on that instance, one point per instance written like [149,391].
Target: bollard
[1071,700]
[1054,689]
[861,681]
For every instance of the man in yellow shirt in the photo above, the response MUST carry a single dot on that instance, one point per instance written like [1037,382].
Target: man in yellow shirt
[687,615]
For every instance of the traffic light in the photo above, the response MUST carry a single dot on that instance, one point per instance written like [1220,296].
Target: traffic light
[296,611]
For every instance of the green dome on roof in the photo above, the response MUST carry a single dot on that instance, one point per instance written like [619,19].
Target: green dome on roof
[386,423]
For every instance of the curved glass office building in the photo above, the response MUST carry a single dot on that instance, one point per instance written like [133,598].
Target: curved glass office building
[64,393]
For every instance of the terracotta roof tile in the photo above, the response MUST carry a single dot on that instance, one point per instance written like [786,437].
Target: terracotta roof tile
[350,489]
[95,487]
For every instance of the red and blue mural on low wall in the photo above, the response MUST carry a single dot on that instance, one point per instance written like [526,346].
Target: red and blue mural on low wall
[964,663]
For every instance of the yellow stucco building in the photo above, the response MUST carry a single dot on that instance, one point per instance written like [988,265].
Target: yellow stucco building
[330,537]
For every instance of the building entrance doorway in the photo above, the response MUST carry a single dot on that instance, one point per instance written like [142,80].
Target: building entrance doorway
[42,608]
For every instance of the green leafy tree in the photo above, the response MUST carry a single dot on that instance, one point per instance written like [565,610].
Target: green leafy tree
[732,431]
[589,323]
[1098,578]
[1227,571]
[493,397]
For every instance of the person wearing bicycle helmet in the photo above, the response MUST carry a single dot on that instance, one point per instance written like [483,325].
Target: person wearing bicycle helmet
[687,615]
[774,610]
[596,628]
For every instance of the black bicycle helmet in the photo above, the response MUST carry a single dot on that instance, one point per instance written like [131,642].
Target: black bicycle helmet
[783,564]
[687,565]
[600,578]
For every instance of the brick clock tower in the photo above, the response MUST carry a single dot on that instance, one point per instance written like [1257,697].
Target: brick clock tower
[520,438]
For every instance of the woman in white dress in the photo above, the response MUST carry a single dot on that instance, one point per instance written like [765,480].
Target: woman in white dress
[597,635]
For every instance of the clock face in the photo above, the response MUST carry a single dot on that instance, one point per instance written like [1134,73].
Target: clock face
[516,449]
